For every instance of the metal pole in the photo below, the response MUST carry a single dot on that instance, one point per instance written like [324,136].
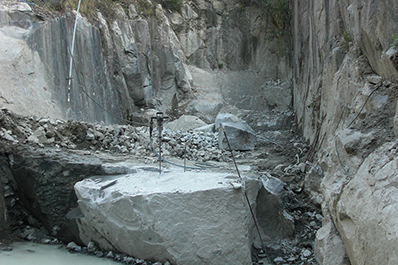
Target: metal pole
[185,156]
[160,150]
[71,52]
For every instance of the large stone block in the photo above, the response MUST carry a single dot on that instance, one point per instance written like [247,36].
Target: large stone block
[240,136]
[183,218]
[273,220]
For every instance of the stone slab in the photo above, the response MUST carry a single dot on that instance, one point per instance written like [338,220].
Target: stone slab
[183,218]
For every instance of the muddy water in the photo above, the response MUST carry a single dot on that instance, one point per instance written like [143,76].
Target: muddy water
[38,254]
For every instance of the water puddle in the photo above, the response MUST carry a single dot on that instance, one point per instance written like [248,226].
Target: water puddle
[38,254]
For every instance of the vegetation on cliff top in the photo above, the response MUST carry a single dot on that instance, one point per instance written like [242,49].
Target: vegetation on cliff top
[276,13]
[107,7]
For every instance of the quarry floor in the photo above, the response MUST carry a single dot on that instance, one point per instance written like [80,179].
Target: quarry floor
[279,154]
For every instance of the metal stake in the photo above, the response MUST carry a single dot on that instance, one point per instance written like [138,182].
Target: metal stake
[185,156]
[160,150]
[159,122]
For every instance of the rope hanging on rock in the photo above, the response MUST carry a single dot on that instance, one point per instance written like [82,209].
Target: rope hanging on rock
[71,52]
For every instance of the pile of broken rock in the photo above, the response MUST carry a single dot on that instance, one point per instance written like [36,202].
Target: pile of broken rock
[200,144]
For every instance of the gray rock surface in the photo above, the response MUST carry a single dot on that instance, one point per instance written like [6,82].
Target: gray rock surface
[329,248]
[312,183]
[225,117]
[350,63]
[185,123]
[3,213]
[278,224]
[396,122]
[239,135]
[186,218]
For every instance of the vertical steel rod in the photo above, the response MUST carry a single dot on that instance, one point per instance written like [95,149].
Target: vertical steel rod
[185,156]
[160,150]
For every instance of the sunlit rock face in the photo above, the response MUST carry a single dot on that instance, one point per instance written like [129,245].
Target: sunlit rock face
[184,218]
[345,75]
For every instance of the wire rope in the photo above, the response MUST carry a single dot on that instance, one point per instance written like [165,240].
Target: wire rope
[79,85]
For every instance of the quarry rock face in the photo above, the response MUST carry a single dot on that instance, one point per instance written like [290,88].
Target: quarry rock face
[369,202]
[141,61]
[338,72]
[183,218]
[344,77]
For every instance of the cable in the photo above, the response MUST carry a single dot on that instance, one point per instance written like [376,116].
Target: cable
[122,119]
[247,198]
[71,53]
[335,139]
[359,113]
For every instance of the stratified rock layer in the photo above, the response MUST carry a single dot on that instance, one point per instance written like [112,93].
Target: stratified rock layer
[185,218]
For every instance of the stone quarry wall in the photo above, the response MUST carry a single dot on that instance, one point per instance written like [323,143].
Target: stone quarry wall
[341,68]
[35,67]
[139,59]
[345,95]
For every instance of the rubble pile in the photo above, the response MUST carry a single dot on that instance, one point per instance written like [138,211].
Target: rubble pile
[118,139]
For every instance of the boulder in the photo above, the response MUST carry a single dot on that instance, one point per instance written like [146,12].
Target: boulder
[183,218]
[273,220]
[38,136]
[240,136]
[185,123]
[329,248]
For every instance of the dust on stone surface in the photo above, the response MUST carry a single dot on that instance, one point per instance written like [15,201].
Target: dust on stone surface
[278,154]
